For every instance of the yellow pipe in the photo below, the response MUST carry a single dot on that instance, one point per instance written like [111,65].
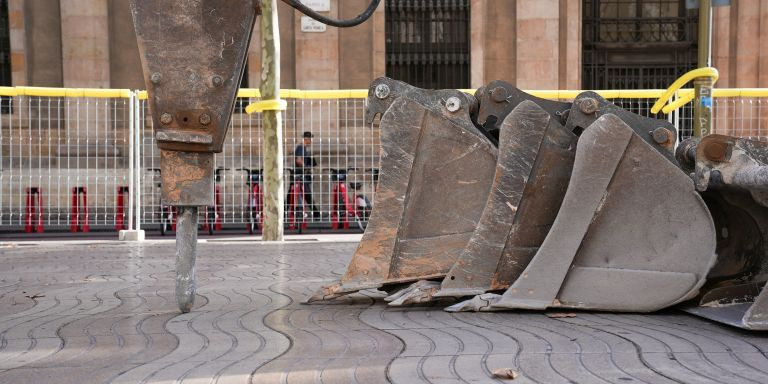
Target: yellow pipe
[363,93]
[682,80]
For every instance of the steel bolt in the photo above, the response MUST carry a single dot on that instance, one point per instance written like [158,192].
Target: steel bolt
[166,118]
[381,91]
[205,119]
[588,106]
[155,77]
[217,81]
[660,135]
[453,104]
[715,151]
[499,94]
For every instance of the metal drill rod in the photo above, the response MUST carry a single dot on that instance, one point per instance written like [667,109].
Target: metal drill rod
[186,246]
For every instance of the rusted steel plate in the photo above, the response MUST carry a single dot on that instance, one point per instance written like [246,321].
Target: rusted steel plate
[187,178]
[535,162]
[436,172]
[193,56]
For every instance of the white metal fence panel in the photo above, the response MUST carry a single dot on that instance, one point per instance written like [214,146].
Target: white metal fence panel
[78,163]
[63,162]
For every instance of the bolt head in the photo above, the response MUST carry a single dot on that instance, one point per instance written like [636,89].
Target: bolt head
[453,104]
[205,119]
[715,151]
[499,94]
[155,77]
[588,106]
[217,81]
[166,118]
[661,135]
[381,91]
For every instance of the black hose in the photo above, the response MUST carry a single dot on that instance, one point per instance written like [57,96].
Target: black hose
[334,22]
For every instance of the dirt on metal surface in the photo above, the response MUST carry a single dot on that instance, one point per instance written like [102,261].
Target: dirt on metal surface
[424,217]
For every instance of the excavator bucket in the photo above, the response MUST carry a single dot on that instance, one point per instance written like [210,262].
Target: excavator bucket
[435,174]
[732,174]
[532,171]
[632,234]
[532,175]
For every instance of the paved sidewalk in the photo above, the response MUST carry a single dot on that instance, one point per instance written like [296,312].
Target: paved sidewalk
[95,312]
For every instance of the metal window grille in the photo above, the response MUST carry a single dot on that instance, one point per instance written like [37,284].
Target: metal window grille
[637,44]
[427,42]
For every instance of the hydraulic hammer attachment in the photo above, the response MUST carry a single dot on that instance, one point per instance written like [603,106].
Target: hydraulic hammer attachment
[193,56]
[436,173]
[632,234]
[732,174]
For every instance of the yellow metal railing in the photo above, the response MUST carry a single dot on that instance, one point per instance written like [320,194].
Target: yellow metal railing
[363,93]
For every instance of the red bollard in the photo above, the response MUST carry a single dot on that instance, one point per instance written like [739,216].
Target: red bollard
[122,191]
[32,213]
[341,211]
[296,191]
[79,210]
[217,210]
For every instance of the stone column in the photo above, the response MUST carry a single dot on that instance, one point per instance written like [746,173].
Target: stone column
[763,46]
[570,44]
[85,43]
[317,54]
[747,33]
[477,42]
[538,44]
[355,44]
[379,50]
[17,25]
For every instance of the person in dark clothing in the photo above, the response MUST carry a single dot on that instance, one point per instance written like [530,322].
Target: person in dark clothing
[303,163]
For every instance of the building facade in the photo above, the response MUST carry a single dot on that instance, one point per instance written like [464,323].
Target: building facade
[535,44]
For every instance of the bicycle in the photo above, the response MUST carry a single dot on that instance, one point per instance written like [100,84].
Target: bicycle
[255,200]
[296,199]
[212,220]
[167,213]
[341,209]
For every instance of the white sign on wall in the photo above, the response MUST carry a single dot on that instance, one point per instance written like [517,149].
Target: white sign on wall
[309,24]
[318,5]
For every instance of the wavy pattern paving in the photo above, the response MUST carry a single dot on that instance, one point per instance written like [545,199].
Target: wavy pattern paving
[105,313]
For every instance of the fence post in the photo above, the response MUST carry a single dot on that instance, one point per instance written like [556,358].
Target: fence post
[134,172]
[138,123]
[131,138]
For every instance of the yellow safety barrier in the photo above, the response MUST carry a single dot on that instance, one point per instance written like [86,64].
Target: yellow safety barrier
[363,93]
[65,92]
[682,80]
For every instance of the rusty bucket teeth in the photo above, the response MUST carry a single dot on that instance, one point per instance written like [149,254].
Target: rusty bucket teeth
[429,146]
[480,303]
[418,292]
[327,292]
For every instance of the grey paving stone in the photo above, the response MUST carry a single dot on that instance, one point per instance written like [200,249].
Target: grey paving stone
[106,313]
